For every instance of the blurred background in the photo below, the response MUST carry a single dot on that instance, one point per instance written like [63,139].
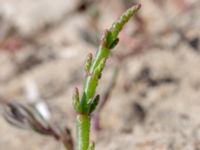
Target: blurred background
[151,84]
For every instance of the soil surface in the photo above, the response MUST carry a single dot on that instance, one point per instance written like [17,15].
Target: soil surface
[155,103]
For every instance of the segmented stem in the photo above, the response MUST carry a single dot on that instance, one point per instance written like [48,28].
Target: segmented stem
[118,25]
[94,67]
[108,39]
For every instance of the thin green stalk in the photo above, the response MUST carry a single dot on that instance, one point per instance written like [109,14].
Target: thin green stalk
[83,127]
[94,67]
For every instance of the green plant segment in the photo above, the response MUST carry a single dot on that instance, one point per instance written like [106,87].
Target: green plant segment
[85,105]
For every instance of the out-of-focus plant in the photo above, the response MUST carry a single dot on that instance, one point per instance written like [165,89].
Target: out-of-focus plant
[28,117]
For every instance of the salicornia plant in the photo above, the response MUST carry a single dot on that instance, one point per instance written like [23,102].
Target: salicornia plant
[85,105]
[29,117]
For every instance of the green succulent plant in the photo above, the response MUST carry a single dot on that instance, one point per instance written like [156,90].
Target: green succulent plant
[29,117]
[85,105]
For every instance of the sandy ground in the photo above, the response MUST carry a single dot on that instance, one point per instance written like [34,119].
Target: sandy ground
[155,103]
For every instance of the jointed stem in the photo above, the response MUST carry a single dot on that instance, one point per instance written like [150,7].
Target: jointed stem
[101,55]
[87,104]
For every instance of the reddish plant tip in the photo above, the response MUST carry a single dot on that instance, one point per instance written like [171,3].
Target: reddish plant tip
[76,90]
[139,6]
[89,56]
